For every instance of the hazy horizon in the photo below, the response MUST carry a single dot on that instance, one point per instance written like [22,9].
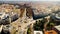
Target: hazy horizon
[29,0]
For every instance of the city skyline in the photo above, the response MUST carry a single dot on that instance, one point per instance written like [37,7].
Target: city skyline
[29,0]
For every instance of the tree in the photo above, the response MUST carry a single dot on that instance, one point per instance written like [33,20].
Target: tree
[39,25]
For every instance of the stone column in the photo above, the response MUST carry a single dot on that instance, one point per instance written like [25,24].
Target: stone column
[10,18]
[23,18]
[31,28]
[25,31]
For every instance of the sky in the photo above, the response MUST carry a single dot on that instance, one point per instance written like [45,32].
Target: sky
[29,0]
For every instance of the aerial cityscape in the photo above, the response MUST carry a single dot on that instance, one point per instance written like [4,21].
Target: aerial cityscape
[39,17]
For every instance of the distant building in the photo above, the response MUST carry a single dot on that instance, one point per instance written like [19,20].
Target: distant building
[4,17]
[56,18]
[38,14]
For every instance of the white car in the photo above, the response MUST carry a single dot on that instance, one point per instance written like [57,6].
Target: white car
[38,32]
